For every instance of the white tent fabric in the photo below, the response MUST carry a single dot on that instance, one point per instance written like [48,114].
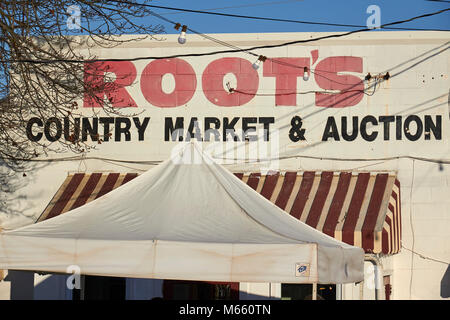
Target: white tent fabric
[188,218]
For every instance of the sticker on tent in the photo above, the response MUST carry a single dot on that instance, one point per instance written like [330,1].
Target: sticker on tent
[302,269]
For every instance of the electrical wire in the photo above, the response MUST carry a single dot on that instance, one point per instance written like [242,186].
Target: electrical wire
[259,4]
[272,59]
[80,158]
[438,161]
[232,90]
[412,229]
[425,257]
[274,19]
[330,36]
[223,43]
[441,1]
[154,162]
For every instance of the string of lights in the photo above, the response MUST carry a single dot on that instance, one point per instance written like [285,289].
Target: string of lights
[182,37]
[232,90]
[262,59]
[377,79]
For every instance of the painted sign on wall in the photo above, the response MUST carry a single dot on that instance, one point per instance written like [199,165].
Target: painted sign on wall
[310,97]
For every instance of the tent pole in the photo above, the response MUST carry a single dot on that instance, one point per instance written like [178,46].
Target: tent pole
[378,274]
[314,291]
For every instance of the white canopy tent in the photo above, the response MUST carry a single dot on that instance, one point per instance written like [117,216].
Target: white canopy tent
[188,218]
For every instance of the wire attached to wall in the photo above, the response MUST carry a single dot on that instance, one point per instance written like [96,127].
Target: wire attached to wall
[412,229]
[425,257]
[155,162]
[374,86]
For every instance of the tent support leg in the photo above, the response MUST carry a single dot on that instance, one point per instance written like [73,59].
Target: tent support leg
[378,273]
[314,291]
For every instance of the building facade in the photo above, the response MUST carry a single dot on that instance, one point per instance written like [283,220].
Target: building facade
[350,135]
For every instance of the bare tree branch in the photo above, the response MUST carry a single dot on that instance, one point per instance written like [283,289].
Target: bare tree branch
[34,29]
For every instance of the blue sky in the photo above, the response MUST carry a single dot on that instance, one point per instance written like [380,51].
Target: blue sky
[335,11]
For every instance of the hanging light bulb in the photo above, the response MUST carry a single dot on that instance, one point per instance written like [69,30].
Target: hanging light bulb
[305,74]
[182,37]
[258,62]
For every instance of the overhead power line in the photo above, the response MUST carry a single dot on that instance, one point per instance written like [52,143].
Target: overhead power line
[230,15]
[234,50]
[259,4]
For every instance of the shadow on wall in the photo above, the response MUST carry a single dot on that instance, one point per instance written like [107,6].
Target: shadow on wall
[52,287]
[14,199]
[250,296]
[445,284]
[22,284]
[23,287]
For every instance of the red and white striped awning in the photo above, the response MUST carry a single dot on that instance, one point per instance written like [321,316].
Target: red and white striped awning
[362,209]
[81,188]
